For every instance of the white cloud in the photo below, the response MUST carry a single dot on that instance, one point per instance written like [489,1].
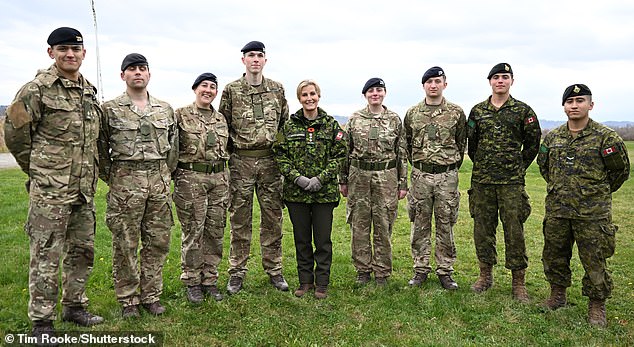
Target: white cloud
[341,44]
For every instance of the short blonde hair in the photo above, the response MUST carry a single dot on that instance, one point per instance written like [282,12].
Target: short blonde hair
[306,83]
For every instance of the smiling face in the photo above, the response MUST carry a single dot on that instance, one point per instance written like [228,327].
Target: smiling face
[136,77]
[68,59]
[205,92]
[309,97]
[501,83]
[375,96]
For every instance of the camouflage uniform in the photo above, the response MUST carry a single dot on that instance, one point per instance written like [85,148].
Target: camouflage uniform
[436,140]
[311,148]
[143,152]
[201,192]
[51,129]
[502,143]
[254,114]
[582,171]
[375,171]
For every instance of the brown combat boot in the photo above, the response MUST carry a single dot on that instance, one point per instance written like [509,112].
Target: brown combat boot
[303,289]
[485,281]
[519,286]
[195,294]
[321,291]
[596,313]
[557,297]
[155,308]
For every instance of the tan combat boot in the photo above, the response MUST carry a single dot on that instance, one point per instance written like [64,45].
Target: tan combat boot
[596,313]
[519,286]
[557,297]
[485,281]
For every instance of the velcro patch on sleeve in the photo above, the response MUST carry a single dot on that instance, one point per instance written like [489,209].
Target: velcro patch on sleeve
[471,123]
[609,151]
[18,115]
[530,120]
[339,136]
[543,148]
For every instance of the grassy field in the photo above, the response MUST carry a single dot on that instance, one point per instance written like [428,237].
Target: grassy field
[392,316]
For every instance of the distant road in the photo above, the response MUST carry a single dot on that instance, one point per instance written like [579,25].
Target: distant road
[7,161]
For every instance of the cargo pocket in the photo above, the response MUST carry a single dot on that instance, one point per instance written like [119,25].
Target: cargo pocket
[608,243]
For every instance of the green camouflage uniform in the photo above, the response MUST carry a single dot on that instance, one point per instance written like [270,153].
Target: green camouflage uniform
[311,148]
[375,171]
[502,143]
[582,171]
[254,116]
[201,192]
[436,140]
[140,151]
[51,129]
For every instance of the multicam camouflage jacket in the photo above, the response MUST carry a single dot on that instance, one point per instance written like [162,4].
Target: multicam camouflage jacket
[203,135]
[436,134]
[311,148]
[128,133]
[582,171]
[373,139]
[254,114]
[502,143]
[51,129]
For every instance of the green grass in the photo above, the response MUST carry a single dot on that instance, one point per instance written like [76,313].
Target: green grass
[370,316]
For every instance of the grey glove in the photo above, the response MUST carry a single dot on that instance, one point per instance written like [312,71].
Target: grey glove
[314,185]
[302,181]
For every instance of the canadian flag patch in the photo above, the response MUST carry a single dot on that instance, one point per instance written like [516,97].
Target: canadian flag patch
[609,150]
[529,120]
[339,136]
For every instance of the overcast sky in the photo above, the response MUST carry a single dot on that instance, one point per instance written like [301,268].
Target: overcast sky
[341,44]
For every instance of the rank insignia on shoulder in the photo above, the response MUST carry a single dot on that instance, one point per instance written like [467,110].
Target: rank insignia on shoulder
[339,136]
[529,120]
[609,151]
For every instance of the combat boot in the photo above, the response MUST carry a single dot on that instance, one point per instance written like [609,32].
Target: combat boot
[195,294]
[43,330]
[557,297]
[155,308]
[234,285]
[80,316]
[279,283]
[596,313]
[321,291]
[303,289]
[363,278]
[519,286]
[485,281]
[418,279]
[447,282]
[213,291]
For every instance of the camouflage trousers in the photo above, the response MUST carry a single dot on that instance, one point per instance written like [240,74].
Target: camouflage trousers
[59,231]
[595,242]
[512,202]
[139,208]
[437,195]
[261,175]
[372,202]
[201,205]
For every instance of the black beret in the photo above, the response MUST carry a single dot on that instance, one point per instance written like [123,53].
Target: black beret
[133,59]
[207,76]
[500,68]
[372,82]
[253,46]
[435,71]
[575,90]
[65,35]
